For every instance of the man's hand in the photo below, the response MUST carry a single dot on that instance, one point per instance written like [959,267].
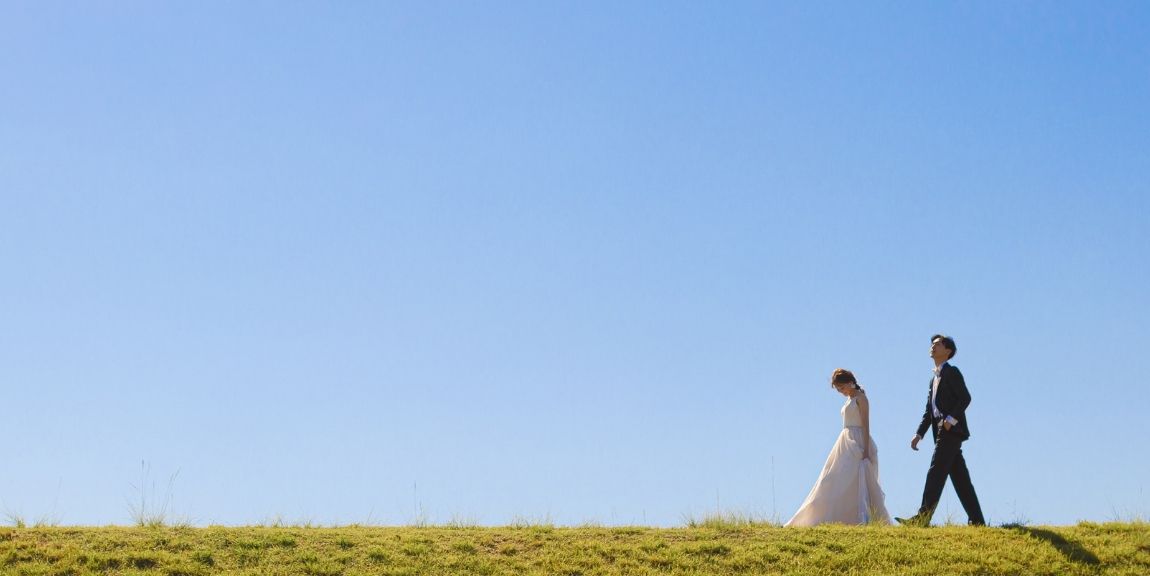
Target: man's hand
[946,424]
[914,442]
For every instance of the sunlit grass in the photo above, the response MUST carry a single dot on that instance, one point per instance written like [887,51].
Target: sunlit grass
[724,544]
[727,520]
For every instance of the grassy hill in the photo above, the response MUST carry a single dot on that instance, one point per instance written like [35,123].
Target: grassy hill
[1113,548]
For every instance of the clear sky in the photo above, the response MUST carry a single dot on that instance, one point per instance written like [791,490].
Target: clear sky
[573,262]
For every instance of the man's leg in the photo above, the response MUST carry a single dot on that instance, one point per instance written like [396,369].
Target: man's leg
[945,449]
[960,479]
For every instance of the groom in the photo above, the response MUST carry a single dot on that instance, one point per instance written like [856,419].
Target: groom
[945,415]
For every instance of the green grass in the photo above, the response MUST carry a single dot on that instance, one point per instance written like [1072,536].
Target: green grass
[737,547]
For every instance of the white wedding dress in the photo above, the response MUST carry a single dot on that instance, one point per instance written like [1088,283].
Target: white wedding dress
[847,491]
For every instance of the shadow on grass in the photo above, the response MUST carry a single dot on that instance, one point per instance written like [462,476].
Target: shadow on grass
[1071,550]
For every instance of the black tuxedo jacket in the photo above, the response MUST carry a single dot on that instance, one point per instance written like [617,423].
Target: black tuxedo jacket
[953,398]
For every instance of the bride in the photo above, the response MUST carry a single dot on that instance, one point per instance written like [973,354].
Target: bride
[847,490]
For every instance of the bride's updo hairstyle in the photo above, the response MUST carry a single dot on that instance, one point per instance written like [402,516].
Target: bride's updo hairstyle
[843,376]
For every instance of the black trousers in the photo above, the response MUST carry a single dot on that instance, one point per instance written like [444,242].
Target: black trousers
[947,461]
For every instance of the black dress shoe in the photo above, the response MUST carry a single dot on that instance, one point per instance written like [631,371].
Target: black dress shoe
[915,520]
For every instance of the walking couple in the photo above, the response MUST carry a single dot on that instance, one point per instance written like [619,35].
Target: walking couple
[848,490]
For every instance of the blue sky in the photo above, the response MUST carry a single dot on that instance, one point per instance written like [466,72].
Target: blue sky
[572,262]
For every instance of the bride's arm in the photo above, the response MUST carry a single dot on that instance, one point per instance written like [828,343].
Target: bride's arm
[864,411]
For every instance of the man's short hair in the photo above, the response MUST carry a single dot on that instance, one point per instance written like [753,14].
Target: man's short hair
[947,342]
